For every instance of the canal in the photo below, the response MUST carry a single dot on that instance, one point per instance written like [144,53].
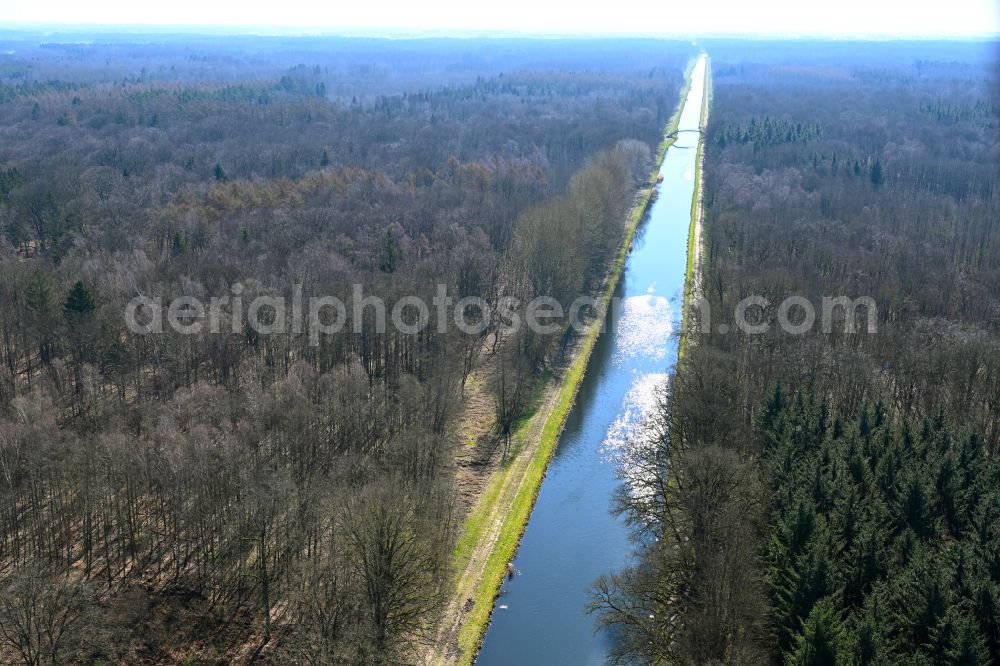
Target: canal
[540,616]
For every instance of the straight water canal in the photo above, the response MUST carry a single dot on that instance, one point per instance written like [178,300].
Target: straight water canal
[572,538]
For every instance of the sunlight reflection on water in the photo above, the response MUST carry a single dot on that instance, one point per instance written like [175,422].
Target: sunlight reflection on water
[644,328]
[628,430]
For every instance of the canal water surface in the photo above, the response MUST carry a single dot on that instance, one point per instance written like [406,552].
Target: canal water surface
[572,538]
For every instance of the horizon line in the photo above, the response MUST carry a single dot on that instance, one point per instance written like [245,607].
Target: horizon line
[400,32]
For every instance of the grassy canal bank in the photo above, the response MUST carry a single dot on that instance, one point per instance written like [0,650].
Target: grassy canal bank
[696,231]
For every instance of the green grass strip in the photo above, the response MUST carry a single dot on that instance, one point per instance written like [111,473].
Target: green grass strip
[692,242]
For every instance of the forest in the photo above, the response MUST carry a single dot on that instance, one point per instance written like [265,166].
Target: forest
[829,497]
[238,497]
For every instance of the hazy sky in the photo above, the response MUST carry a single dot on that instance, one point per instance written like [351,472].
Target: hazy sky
[647,17]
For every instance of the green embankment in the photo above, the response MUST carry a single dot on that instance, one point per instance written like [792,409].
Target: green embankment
[517,516]
[692,242]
